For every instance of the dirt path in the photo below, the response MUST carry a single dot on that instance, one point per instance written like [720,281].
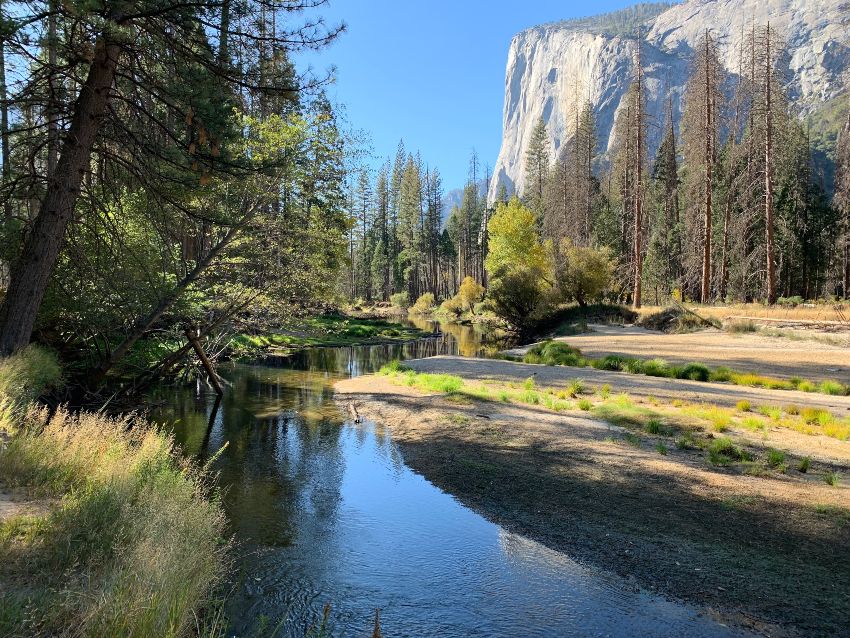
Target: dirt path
[723,394]
[771,553]
[772,356]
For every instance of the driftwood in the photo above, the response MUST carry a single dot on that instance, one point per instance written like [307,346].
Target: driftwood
[192,336]
[352,409]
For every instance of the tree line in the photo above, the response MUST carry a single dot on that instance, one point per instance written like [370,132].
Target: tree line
[400,243]
[732,207]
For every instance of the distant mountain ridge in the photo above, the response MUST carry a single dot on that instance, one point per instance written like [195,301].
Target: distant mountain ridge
[550,67]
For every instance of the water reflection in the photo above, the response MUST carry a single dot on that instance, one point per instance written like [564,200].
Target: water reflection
[327,512]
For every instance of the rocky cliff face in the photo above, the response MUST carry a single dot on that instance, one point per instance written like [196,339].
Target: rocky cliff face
[552,67]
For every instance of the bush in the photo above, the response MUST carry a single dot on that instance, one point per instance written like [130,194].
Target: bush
[451,308]
[554,353]
[723,451]
[833,387]
[400,300]
[519,296]
[29,373]
[694,372]
[585,272]
[424,304]
[790,302]
[469,293]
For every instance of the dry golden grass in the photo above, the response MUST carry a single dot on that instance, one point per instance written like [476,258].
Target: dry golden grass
[809,312]
[132,545]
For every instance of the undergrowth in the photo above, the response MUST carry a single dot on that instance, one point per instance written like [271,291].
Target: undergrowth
[132,539]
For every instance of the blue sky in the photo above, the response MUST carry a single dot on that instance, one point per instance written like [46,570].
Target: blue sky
[432,71]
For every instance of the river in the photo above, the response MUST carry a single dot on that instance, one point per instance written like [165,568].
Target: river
[325,512]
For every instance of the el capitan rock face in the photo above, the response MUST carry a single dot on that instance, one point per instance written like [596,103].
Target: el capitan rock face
[551,67]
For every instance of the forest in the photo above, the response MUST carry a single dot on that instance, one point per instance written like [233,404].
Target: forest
[736,205]
[165,168]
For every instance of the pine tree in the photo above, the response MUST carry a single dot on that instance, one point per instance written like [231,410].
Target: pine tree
[700,130]
[537,169]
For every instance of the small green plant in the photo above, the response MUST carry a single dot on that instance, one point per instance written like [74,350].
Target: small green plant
[605,391]
[529,384]
[694,372]
[585,405]
[743,406]
[575,388]
[654,426]
[792,409]
[723,451]
[831,478]
[833,388]
[661,448]
[504,397]
[806,386]
[631,439]
[775,458]
[686,442]
[804,464]
[393,367]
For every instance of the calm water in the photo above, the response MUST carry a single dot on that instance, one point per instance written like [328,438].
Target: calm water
[325,511]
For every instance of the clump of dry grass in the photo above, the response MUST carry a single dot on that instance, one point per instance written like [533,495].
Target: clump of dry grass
[134,541]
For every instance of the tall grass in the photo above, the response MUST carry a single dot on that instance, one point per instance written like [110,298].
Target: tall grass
[133,541]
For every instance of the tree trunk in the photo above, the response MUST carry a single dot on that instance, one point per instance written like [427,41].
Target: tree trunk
[638,185]
[52,114]
[707,223]
[768,176]
[4,120]
[31,272]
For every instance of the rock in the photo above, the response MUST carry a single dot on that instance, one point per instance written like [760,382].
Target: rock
[553,66]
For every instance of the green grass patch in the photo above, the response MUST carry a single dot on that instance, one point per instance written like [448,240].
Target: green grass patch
[723,451]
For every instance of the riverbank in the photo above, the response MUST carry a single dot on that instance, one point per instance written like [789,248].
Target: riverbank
[104,529]
[330,330]
[729,509]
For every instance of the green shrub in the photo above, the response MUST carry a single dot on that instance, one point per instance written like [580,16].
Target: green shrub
[806,386]
[831,478]
[610,362]
[554,353]
[721,375]
[424,304]
[833,387]
[400,300]
[661,448]
[393,367]
[723,451]
[743,406]
[775,458]
[695,372]
[585,405]
[29,373]
[654,426]
[790,302]
[804,464]
[575,388]
[792,409]
[656,368]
